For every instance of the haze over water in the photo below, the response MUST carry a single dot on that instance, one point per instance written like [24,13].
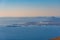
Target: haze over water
[30,32]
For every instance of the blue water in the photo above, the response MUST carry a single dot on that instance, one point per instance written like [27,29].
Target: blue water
[32,32]
[29,33]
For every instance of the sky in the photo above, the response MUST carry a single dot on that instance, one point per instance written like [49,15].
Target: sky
[29,8]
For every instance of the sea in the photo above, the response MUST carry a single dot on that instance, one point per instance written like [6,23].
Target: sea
[30,32]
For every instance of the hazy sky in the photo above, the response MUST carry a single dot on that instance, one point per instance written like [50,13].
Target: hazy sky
[29,8]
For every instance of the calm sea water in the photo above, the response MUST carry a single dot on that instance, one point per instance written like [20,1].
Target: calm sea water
[35,32]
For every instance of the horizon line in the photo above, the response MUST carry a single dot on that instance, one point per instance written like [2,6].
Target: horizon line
[34,16]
